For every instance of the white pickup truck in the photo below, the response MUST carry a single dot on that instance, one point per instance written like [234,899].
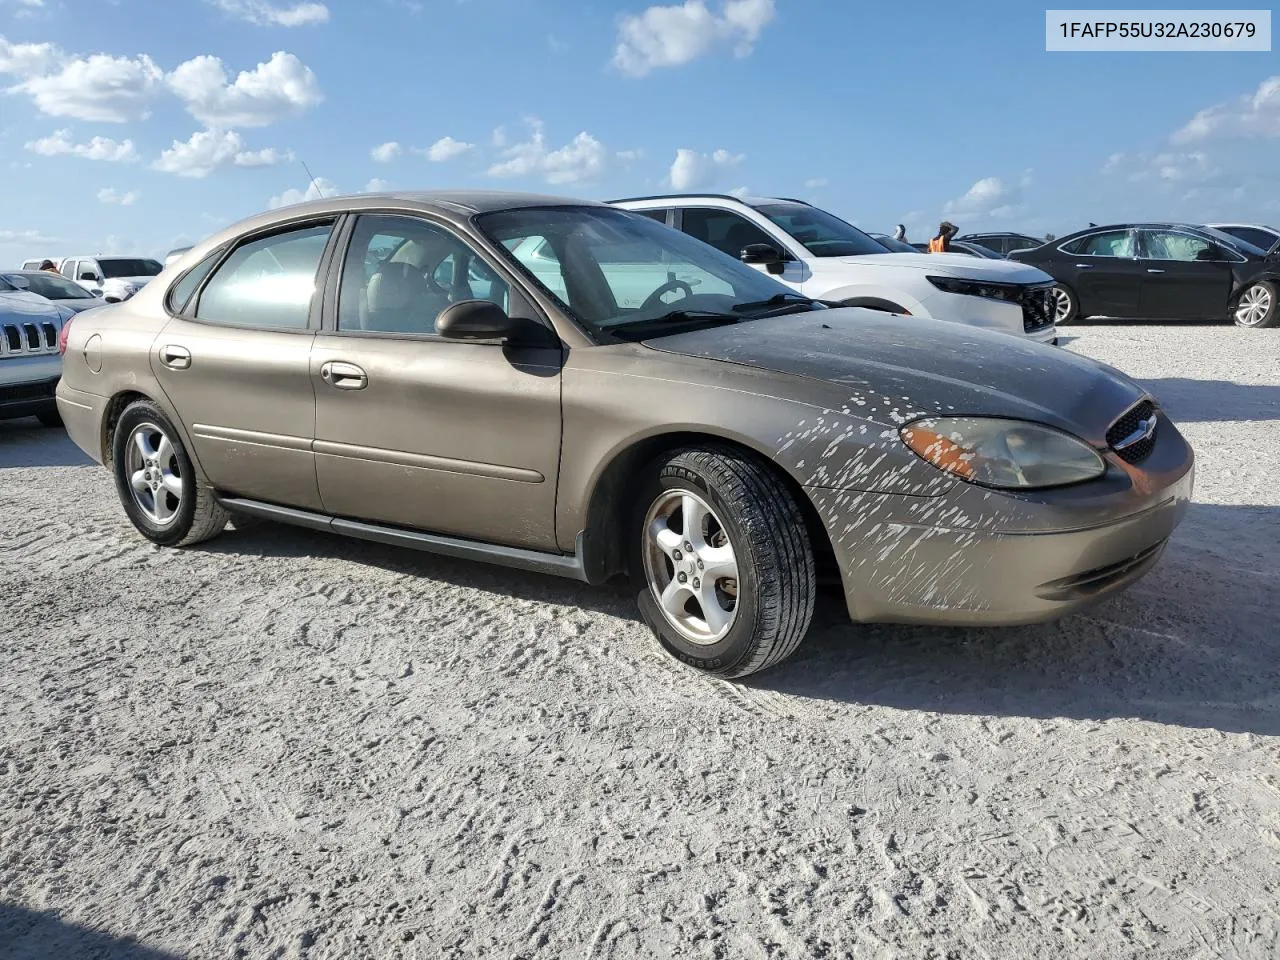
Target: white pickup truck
[111,278]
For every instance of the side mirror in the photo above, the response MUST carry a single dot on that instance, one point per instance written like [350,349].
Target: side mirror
[89,275]
[485,320]
[763,253]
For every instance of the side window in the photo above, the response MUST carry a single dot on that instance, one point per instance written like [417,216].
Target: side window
[181,291]
[1167,245]
[659,215]
[267,282]
[725,231]
[69,269]
[401,272]
[1112,243]
[88,270]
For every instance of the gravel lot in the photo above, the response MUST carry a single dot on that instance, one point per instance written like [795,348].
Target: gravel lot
[282,744]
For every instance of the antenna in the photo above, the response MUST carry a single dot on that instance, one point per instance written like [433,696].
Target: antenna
[319,191]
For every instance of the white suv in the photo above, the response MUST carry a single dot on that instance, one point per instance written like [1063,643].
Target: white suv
[822,257]
[112,278]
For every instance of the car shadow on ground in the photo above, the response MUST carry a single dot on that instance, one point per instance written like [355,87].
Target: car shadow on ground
[1199,401]
[266,539]
[28,443]
[1193,644]
[41,935]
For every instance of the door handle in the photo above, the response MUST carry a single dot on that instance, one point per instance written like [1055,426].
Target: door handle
[1154,270]
[1084,266]
[344,376]
[175,357]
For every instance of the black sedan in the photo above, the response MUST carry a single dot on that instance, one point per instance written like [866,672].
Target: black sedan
[1160,270]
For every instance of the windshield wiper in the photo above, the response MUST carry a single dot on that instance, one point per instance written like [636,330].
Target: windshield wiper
[675,318]
[784,300]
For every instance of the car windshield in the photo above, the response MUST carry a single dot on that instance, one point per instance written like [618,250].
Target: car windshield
[53,287]
[622,273]
[822,234]
[129,268]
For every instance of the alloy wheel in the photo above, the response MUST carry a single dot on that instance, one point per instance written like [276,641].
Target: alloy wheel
[155,476]
[1254,305]
[691,566]
[1061,305]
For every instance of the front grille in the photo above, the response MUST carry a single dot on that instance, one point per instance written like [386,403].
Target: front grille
[1092,582]
[1037,308]
[1133,427]
[22,339]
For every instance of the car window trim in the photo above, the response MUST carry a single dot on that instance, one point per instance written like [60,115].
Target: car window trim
[333,287]
[1142,246]
[234,244]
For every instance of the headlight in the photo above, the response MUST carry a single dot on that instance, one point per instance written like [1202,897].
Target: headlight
[1007,454]
[978,288]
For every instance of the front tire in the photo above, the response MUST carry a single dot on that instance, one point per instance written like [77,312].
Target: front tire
[157,483]
[1258,306]
[726,562]
[1066,307]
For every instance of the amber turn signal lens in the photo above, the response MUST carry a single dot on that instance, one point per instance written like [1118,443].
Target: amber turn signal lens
[939,451]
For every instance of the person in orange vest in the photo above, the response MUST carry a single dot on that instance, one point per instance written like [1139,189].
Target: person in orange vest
[942,242]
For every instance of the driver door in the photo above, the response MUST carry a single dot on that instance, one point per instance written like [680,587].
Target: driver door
[452,437]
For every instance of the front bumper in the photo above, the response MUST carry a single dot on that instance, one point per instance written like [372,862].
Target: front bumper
[1002,316]
[27,399]
[1025,563]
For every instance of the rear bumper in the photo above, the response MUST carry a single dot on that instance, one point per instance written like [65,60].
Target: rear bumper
[903,572]
[82,416]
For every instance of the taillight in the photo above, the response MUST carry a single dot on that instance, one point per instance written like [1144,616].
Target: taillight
[62,337]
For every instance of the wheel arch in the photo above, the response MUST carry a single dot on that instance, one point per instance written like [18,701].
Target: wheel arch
[876,297]
[120,401]
[616,485]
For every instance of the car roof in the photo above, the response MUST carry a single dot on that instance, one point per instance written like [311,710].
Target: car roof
[1237,223]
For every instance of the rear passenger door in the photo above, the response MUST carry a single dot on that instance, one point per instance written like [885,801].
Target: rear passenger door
[1186,278]
[234,363]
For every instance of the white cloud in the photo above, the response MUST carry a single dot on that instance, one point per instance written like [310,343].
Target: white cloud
[25,236]
[700,171]
[99,148]
[29,59]
[315,190]
[675,35]
[377,185]
[97,88]
[990,198]
[111,195]
[208,150]
[1168,168]
[1253,115]
[282,86]
[385,152]
[264,13]
[446,148]
[816,183]
[582,158]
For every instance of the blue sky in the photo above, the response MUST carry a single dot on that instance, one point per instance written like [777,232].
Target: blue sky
[130,126]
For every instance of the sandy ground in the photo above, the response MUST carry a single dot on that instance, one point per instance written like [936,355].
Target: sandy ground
[283,744]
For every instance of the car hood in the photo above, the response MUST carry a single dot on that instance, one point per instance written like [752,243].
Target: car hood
[956,265]
[893,369]
[21,305]
[81,305]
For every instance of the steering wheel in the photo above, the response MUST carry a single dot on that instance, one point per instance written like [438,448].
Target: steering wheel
[655,298]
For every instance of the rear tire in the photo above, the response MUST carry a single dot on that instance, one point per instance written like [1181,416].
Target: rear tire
[1258,306]
[157,482]
[747,524]
[1066,305]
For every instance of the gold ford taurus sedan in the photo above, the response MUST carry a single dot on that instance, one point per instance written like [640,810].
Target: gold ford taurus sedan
[574,389]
